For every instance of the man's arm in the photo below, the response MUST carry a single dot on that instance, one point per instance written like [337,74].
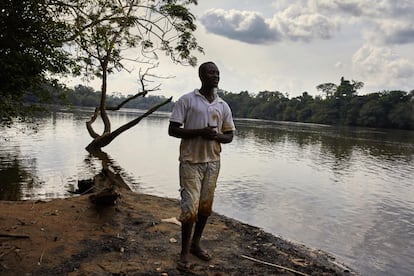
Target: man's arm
[208,133]
[224,138]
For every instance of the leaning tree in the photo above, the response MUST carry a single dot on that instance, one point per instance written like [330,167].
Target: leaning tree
[109,35]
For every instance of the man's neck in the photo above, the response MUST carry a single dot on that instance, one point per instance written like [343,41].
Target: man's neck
[208,93]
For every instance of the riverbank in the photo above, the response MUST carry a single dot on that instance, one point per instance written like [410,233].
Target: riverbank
[139,236]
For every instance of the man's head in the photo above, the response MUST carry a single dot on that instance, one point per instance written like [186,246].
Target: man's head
[209,74]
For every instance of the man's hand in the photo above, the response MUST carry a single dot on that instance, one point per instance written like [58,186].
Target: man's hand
[209,133]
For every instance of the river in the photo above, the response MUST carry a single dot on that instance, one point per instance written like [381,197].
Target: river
[347,191]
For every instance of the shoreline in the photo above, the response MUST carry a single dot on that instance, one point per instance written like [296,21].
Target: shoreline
[139,235]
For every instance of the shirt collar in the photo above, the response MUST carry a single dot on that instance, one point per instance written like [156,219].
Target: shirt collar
[218,99]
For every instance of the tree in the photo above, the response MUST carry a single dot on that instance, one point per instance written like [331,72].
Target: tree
[372,113]
[338,101]
[269,105]
[31,52]
[110,33]
[328,88]
[347,88]
[240,103]
[304,107]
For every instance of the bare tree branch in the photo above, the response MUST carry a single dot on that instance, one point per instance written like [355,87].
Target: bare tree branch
[106,138]
[119,106]
[137,120]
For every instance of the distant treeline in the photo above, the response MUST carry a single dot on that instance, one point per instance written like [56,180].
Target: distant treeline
[87,96]
[339,105]
[387,109]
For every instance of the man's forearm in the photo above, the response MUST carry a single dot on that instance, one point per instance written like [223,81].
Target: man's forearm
[224,138]
[184,133]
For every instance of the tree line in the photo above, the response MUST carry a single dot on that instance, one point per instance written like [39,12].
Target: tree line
[86,96]
[338,105]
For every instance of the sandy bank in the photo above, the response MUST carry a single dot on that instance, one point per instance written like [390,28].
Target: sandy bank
[138,236]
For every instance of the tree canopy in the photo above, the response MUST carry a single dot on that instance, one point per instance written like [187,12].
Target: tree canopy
[107,35]
[42,38]
[340,106]
[31,52]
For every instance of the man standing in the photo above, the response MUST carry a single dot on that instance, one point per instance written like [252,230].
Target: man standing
[203,121]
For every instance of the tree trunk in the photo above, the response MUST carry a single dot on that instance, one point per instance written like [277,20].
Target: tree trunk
[108,187]
[102,107]
[106,138]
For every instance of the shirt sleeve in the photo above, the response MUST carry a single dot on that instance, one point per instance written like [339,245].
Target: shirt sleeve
[228,124]
[178,112]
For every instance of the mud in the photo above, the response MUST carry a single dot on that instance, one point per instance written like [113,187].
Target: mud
[139,236]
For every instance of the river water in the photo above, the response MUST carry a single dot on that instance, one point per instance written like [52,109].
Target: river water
[347,191]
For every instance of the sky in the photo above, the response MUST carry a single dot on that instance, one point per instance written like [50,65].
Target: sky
[291,46]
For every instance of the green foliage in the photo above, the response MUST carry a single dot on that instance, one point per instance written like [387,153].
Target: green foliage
[86,96]
[327,88]
[341,106]
[41,38]
[108,34]
[347,88]
[240,103]
[31,49]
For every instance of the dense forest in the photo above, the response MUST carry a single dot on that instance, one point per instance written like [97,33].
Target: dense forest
[86,96]
[338,105]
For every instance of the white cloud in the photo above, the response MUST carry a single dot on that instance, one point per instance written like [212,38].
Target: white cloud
[244,26]
[300,23]
[338,64]
[385,22]
[293,23]
[382,66]
[395,32]
[366,8]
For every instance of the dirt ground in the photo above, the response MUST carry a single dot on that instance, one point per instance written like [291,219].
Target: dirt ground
[139,236]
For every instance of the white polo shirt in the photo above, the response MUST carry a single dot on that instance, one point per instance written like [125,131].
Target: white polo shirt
[194,111]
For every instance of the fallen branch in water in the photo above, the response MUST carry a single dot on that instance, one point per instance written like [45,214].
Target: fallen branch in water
[274,265]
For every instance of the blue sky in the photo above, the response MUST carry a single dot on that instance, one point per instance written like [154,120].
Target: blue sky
[292,46]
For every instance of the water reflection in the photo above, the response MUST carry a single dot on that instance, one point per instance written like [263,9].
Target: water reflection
[347,191]
[108,163]
[17,172]
[12,175]
[327,187]
[336,149]
[388,235]
[45,159]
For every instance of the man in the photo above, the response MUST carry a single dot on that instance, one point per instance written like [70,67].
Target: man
[203,121]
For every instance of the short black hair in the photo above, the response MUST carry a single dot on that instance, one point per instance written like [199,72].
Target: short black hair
[203,66]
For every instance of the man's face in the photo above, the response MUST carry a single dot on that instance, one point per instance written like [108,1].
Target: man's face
[210,76]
